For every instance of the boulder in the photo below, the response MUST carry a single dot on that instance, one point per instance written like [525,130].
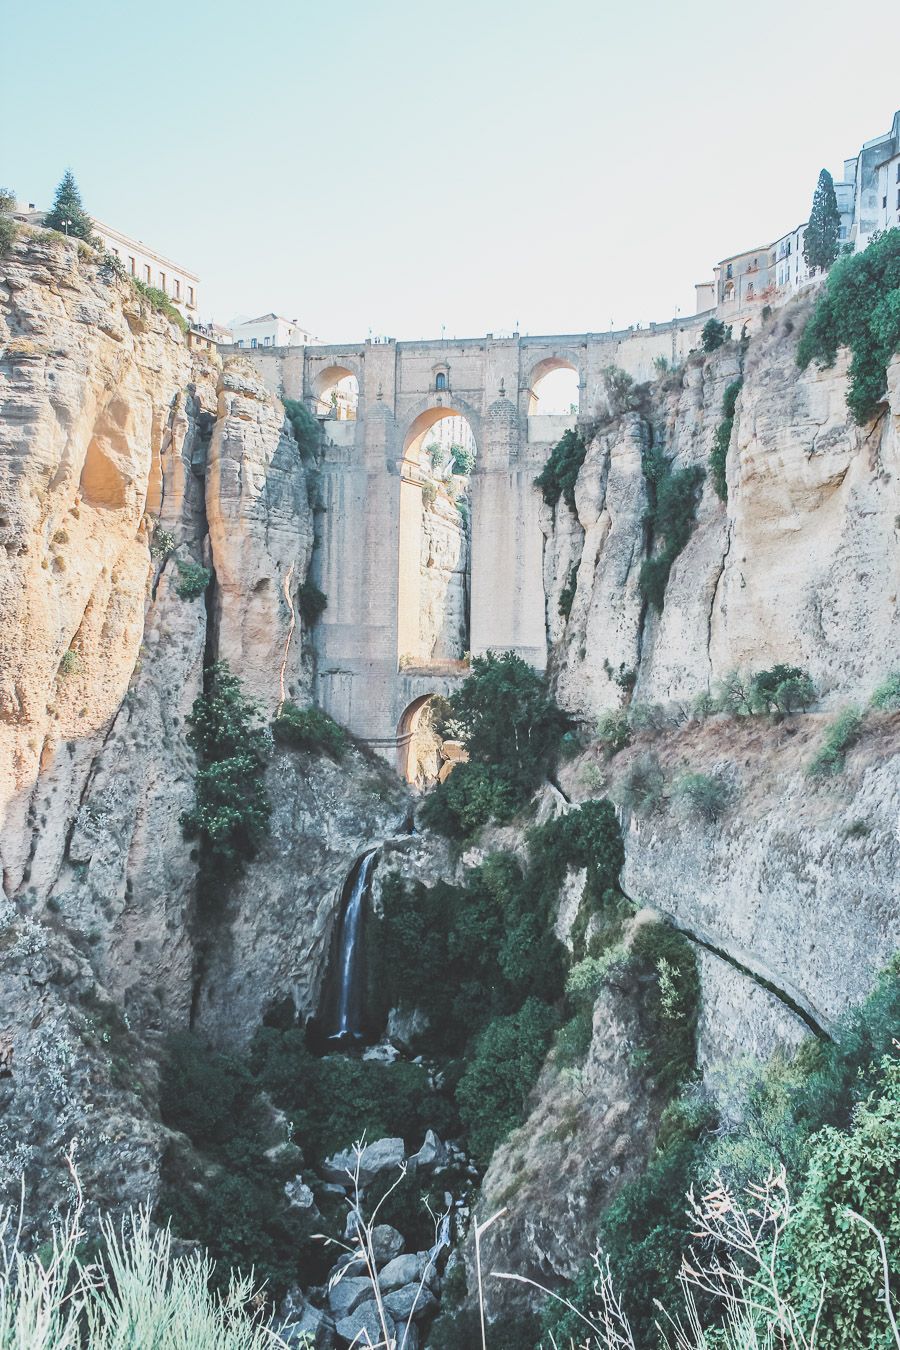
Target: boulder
[348,1293]
[363,1326]
[404,1026]
[407,1269]
[432,1153]
[299,1195]
[383,1053]
[386,1243]
[411,1301]
[299,1320]
[382,1155]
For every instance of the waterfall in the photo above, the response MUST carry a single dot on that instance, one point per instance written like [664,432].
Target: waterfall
[347,1023]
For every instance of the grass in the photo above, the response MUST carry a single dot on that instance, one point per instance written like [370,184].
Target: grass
[840,736]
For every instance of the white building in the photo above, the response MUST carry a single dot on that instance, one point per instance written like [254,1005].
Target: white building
[140,261]
[270,330]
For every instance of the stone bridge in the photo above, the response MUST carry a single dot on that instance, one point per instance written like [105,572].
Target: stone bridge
[368,556]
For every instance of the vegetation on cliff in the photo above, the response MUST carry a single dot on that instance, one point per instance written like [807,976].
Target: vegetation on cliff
[860,309]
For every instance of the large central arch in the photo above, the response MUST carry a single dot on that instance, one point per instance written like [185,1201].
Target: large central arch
[416,478]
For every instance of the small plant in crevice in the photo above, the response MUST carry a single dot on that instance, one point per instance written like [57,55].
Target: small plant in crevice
[625,677]
[674,495]
[719,453]
[192,580]
[567,594]
[309,729]
[230,815]
[843,733]
[887,696]
[70,664]
[613,731]
[162,543]
[312,603]
[560,473]
[160,302]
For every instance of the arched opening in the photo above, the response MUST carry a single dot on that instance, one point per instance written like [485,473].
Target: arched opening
[336,392]
[554,390]
[433,603]
[425,756]
[440,380]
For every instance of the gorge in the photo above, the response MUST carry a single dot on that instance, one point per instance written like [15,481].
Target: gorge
[198,773]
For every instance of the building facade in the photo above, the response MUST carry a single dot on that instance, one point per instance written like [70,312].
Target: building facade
[271,330]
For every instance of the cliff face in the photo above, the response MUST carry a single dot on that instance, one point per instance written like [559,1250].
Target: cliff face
[801,566]
[443,605]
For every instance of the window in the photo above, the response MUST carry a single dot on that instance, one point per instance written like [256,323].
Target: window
[162,281]
[729,272]
[147,272]
[266,341]
[440,380]
[240,342]
[131,267]
[177,285]
[190,295]
[253,342]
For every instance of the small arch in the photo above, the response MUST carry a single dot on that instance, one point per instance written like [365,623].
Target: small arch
[440,380]
[423,756]
[554,388]
[336,391]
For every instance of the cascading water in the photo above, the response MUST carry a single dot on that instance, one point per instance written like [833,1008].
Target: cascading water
[346,1022]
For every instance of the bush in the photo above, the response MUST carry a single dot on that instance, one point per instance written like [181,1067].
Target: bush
[719,453]
[70,663]
[312,603]
[471,796]
[669,518]
[309,729]
[642,787]
[8,231]
[560,474]
[463,459]
[860,309]
[840,736]
[781,691]
[622,395]
[231,808]
[567,594]
[703,794]
[429,494]
[159,301]
[713,335]
[504,1066]
[671,1007]
[613,731]
[192,580]
[887,695]
[305,426]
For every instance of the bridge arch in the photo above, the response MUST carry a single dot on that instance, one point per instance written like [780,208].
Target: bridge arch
[335,389]
[563,391]
[428,413]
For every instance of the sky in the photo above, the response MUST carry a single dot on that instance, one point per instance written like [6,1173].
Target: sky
[413,169]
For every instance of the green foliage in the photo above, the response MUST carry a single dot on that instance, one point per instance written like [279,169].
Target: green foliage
[820,241]
[887,696]
[560,473]
[305,426]
[511,727]
[162,543]
[8,231]
[312,602]
[703,794]
[714,334]
[588,837]
[643,785]
[436,454]
[231,808]
[159,301]
[670,518]
[859,309]
[719,452]
[825,1247]
[7,200]
[463,459]
[309,729]
[622,395]
[67,214]
[70,663]
[843,732]
[613,731]
[779,691]
[671,1006]
[503,1068]
[567,594]
[429,494]
[193,580]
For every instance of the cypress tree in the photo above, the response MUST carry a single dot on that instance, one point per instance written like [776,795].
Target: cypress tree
[820,244]
[67,213]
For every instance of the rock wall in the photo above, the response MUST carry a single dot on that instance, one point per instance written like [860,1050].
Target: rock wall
[444,581]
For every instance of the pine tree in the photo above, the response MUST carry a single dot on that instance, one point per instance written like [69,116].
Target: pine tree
[820,244]
[68,214]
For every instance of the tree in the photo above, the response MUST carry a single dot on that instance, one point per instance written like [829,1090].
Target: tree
[713,335]
[67,213]
[820,243]
[7,200]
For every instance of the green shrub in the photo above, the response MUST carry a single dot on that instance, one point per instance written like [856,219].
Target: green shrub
[471,796]
[305,426]
[309,729]
[429,494]
[567,594]
[704,795]
[625,677]
[713,335]
[642,787]
[670,518]
[70,663]
[671,1007]
[622,395]
[860,309]
[840,736]
[780,691]
[192,580]
[162,543]
[560,474]
[887,695]
[613,731]
[231,808]
[463,459]
[159,301]
[719,453]
[8,231]
[312,603]
[504,1066]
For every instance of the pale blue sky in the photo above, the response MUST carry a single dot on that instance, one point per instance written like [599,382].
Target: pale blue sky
[397,166]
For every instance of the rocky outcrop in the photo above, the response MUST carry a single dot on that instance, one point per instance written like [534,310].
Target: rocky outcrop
[443,597]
